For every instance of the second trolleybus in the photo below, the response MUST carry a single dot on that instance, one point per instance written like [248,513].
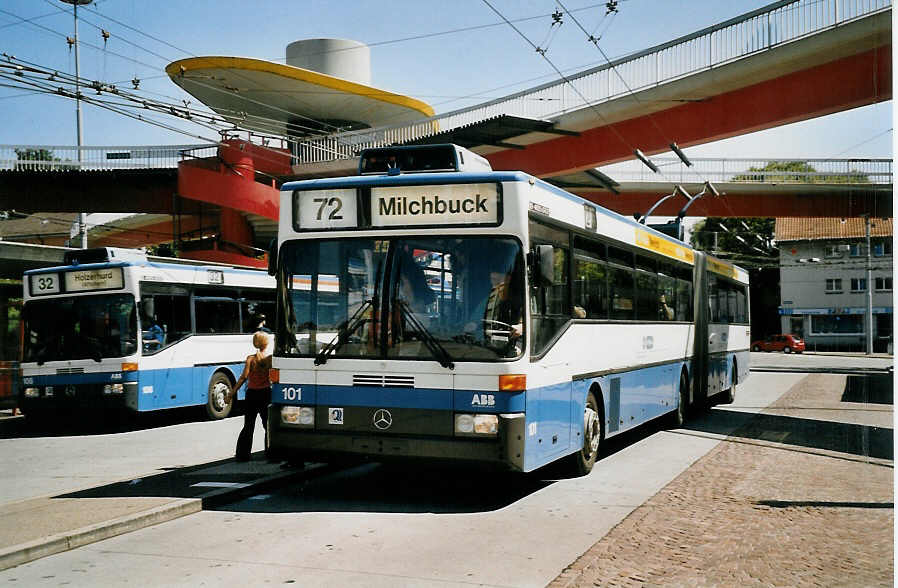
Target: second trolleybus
[118,331]
[432,308]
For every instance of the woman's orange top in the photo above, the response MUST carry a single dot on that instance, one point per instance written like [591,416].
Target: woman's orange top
[258,373]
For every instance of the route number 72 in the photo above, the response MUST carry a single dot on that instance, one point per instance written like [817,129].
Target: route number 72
[333,202]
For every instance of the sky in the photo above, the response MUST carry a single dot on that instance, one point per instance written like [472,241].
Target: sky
[485,59]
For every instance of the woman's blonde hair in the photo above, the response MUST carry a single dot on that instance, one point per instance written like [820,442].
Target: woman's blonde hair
[260,340]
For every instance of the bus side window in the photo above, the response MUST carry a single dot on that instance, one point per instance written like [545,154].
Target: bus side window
[169,306]
[252,309]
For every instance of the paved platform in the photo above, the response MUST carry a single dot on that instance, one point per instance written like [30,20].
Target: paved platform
[38,527]
[799,495]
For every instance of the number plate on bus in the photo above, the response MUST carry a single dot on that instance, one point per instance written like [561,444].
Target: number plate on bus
[43,284]
[326,209]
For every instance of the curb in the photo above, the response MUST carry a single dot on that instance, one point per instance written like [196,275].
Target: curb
[32,550]
[65,541]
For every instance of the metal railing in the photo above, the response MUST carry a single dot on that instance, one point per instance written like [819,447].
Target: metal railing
[755,171]
[67,158]
[763,29]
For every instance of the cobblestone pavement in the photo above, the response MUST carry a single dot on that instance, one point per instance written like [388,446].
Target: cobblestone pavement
[755,512]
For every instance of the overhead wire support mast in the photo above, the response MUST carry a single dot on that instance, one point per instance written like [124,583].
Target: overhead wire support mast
[82,229]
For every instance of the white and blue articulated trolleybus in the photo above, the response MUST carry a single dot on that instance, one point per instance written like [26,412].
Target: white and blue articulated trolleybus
[116,329]
[432,308]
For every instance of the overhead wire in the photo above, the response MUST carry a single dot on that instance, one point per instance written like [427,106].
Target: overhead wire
[611,126]
[177,110]
[589,105]
[28,20]
[595,42]
[62,221]
[81,42]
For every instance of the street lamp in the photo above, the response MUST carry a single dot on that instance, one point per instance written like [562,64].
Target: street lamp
[75,4]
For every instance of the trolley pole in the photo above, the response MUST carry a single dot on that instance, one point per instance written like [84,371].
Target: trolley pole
[80,138]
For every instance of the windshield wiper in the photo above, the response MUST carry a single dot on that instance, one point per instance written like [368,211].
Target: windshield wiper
[432,343]
[344,331]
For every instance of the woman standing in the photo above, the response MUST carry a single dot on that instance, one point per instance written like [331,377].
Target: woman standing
[258,394]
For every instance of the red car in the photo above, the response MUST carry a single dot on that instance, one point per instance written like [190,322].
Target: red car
[784,343]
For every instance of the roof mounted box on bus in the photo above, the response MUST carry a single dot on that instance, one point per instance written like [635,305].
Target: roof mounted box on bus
[102,255]
[420,159]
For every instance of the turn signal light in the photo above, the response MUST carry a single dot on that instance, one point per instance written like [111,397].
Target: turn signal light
[129,367]
[274,374]
[512,382]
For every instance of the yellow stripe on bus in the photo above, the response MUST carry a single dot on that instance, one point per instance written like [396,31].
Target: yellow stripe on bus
[722,268]
[655,243]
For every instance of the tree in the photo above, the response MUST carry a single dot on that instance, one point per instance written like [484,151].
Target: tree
[44,159]
[798,172]
[735,236]
[745,239]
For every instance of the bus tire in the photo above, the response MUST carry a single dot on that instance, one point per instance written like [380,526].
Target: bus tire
[581,462]
[682,412]
[217,405]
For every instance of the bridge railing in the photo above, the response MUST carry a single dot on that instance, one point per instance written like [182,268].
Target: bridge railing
[67,157]
[755,171]
[770,26]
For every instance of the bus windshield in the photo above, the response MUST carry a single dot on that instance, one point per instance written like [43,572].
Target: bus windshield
[449,298]
[85,327]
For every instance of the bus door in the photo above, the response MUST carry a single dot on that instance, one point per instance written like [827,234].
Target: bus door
[165,321]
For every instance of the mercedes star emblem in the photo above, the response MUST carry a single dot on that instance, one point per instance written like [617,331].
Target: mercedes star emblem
[383,419]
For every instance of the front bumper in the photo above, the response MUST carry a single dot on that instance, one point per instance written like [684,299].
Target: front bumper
[77,397]
[504,451]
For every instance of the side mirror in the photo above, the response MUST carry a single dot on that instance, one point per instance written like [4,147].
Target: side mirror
[545,263]
[273,257]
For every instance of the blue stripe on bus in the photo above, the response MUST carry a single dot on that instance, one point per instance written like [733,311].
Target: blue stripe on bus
[474,401]
[89,378]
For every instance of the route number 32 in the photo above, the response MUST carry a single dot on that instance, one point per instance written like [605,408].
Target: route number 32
[47,284]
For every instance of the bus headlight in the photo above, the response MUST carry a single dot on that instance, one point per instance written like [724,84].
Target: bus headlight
[48,391]
[477,424]
[32,392]
[486,424]
[464,423]
[301,416]
[113,389]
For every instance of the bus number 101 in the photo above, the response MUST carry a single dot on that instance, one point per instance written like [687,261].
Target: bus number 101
[292,393]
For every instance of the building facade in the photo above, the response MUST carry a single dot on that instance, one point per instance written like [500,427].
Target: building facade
[823,281]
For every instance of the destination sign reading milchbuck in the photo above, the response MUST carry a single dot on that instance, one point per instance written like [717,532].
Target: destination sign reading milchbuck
[447,204]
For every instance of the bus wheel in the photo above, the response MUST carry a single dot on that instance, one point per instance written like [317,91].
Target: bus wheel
[217,405]
[580,463]
[679,417]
